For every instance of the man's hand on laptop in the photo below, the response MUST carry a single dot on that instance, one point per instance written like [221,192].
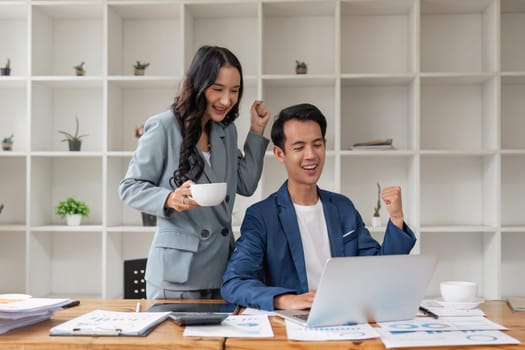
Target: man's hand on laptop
[294,301]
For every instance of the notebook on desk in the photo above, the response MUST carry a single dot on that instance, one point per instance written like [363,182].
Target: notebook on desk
[360,289]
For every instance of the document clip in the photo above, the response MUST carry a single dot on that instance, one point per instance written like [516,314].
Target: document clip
[96,331]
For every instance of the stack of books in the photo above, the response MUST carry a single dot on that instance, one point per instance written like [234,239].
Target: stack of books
[19,313]
[376,144]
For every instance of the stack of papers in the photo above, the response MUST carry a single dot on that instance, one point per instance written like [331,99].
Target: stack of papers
[516,303]
[19,313]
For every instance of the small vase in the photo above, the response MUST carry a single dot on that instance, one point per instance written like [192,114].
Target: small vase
[7,146]
[73,220]
[80,72]
[376,221]
[5,71]
[74,145]
[139,71]
[148,219]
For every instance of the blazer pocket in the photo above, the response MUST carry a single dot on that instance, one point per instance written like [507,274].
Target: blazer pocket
[349,236]
[176,251]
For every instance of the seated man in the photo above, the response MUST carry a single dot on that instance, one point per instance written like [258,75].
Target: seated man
[287,238]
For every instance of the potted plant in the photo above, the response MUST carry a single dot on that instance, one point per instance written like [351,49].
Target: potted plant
[74,141]
[7,143]
[140,67]
[300,67]
[79,69]
[376,218]
[73,210]
[6,70]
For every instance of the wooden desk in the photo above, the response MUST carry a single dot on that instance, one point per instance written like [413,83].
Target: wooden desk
[165,336]
[169,336]
[497,311]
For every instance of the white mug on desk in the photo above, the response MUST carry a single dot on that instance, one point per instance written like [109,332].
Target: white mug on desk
[459,291]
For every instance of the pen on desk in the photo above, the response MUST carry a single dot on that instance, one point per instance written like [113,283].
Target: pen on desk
[71,304]
[427,312]
[137,308]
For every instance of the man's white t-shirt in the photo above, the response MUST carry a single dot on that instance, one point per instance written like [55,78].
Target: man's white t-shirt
[314,236]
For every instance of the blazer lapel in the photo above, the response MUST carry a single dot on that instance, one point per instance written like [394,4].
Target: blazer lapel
[219,157]
[332,224]
[290,227]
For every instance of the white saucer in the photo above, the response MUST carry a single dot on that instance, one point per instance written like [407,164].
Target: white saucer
[14,296]
[460,305]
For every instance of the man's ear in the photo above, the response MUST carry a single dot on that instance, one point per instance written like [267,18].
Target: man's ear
[278,153]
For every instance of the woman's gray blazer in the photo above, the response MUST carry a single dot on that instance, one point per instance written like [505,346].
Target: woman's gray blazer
[190,249]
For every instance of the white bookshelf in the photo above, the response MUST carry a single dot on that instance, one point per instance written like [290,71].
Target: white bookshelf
[444,78]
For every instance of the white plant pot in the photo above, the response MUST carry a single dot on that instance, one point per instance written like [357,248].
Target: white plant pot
[73,220]
[376,221]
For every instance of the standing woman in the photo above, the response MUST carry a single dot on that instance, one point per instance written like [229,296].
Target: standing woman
[195,142]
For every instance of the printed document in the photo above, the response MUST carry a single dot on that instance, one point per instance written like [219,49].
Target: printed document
[235,326]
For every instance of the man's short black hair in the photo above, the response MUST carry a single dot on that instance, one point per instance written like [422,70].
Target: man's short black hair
[301,112]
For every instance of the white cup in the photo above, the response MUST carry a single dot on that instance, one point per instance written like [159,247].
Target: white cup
[459,291]
[208,194]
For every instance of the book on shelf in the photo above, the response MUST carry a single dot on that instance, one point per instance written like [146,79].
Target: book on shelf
[374,145]
[516,303]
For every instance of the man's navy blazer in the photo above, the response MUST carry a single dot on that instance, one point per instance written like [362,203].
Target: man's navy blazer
[269,259]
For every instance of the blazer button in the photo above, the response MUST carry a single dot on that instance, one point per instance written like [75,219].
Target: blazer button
[225,232]
[227,198]
[205,233]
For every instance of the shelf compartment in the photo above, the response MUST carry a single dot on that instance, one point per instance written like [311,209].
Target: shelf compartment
[458,113]
[388,171]
[130,105]
[12,262]
[466,181]
[374,109]
[378,36]
[288,31]
[238,23]
[459,36]
[463,260]
[512,32]
[64,35]
[123,246]
[512,112]
[13,118]
[140,31]
[64,263]
[282,93]
[512,190]
[55,104]
[512,263]
[13,191]
[53,179]
[13,36]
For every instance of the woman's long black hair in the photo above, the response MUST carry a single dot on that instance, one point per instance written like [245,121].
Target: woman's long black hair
[190,105]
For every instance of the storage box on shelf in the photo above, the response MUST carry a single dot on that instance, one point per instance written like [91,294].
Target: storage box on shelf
[444,78]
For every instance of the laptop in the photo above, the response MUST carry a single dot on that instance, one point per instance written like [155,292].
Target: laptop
[364,288]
